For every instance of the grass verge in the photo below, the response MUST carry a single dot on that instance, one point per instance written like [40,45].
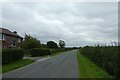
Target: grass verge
[15,65]
[88,69]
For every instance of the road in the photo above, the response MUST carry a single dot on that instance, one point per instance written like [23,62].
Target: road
[61,66]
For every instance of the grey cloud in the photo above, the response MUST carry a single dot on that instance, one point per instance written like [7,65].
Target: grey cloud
[78,24]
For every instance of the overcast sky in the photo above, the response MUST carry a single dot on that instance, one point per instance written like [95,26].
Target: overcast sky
[78,24]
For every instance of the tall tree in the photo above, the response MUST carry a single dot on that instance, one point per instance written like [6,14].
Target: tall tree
[30,42]
[52,44]
[61,43]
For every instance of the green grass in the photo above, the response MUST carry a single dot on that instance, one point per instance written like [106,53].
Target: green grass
[15,65]
[88,69]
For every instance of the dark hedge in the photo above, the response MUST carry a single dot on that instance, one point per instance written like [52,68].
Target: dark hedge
[107,57]
[11,55]
[39,52]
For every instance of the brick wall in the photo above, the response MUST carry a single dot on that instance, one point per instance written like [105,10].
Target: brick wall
[10,40]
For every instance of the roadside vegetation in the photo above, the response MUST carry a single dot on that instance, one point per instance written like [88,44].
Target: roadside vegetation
[87,69]
[33,47]
[106,57]
[12,58]
[17,64]
[11,55]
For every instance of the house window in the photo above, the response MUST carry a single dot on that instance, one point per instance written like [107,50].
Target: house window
[19,40]
[14,43]
[2,36]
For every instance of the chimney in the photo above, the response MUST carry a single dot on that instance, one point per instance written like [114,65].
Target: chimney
[15,32]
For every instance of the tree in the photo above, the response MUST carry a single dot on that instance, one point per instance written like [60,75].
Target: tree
[61,43]
[30,42]
[44,45]
[52,44]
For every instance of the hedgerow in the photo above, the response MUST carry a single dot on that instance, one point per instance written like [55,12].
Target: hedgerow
[46,51]
[39,52]
[11,55]
[107,57]
[57,50]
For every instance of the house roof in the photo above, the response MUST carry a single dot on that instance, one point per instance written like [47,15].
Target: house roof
[8,32]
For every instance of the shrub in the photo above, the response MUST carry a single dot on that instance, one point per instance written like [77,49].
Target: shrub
[104,56]
[61,50]
[67,49]
[11,55]
[39,52]
[46,51]
[57,50]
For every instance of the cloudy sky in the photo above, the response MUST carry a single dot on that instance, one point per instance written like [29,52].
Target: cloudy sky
[77,23]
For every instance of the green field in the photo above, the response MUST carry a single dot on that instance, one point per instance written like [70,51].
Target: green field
[88,69]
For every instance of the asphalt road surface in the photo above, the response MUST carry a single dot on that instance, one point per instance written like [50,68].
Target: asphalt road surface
[60,66]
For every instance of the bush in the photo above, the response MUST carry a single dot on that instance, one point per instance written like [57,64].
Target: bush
[39,52]
[11,55]
[104,56]
[46,51]
[57,50]
[67,49]
[61,50]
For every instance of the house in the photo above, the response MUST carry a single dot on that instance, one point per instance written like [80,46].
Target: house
[9,39]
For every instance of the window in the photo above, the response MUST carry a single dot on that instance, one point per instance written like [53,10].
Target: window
[2,36]
[14,43]
[19,40]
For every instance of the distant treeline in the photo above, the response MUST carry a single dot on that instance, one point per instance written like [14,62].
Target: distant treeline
[107,57]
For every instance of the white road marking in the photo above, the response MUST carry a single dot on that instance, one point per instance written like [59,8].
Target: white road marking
[43,59]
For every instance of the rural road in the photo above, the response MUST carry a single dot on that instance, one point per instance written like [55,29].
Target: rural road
[60,66]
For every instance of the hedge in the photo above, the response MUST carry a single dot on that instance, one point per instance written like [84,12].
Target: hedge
[61,50]
[39,52]
[57,50]
[46,51]
[67,49]
[11,55]
[107,57]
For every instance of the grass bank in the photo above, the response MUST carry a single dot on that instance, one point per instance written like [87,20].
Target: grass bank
[15,65]
[88,69]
